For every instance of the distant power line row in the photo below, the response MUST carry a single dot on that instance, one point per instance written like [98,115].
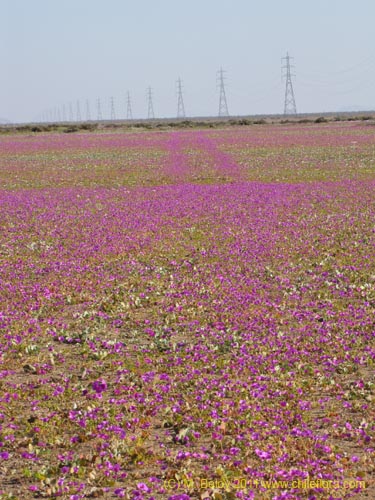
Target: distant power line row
[83,111]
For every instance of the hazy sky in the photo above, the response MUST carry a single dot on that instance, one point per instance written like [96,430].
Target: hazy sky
[54,52]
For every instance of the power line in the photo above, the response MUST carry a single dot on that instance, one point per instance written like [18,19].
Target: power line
[223,105]
[357,78]
[180,100]
[150,106]
[353,78]
[290,107]
[365,64]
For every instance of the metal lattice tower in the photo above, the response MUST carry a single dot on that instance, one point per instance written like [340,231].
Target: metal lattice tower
[78,112]
[88,114]
[290,107]
[129,113]
[71,117]
[180,100]
[99,110]
[223,105]
[150,106]
[64,113]
[113,114]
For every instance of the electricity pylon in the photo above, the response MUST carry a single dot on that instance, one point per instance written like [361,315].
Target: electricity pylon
[88,114]
[99,110]
[129,113]
[223,105]
[71,117]
[180,100]
[290,107]
[150,106]
[113,114]
[78,112]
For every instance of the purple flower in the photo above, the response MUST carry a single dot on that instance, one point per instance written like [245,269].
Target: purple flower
[264,455]
[99,386]
[143,487]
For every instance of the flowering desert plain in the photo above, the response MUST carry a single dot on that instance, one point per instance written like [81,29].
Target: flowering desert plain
[188,314]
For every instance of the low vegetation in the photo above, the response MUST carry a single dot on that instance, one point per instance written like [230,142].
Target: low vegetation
[188,314]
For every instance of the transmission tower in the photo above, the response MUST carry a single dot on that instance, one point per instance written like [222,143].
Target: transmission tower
[150,110]
[129,113]
[78,112]
[223,106]
[64,113]
[113,114]
[99,110]
[180,100]
[88,114]
[71,116]
[290,107]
